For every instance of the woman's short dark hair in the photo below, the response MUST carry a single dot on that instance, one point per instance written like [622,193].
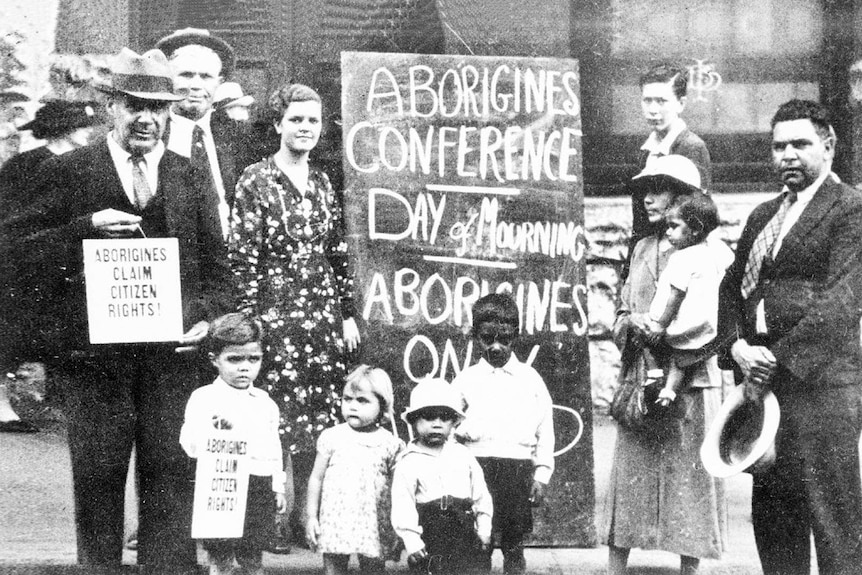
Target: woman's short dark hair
[699,213]
[289,93]
[233,329]
[496,308]
[664,73]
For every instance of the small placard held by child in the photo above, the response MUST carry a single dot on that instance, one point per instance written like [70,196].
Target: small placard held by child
[221,485]
[133,290]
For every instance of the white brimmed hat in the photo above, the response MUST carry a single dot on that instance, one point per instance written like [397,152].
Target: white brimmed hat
[434,392]
[674,166]
[230,94]
[742,435]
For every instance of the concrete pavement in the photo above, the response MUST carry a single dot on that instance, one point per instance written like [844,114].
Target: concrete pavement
[37,534]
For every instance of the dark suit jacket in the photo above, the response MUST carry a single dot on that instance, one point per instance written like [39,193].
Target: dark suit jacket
[47,239]
[812,293]
[233,148]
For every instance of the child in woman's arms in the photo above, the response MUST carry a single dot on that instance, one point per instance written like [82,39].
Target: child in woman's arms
[683,315]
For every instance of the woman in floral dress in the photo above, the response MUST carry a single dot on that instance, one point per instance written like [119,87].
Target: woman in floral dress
[288,251]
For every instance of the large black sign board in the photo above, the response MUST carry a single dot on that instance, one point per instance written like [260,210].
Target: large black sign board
[463,176]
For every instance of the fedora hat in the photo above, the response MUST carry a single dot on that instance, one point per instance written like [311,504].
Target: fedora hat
[59,117]
[230,94]
[742,435]
[145,76]
[434,392]
[675,167]
[201,37]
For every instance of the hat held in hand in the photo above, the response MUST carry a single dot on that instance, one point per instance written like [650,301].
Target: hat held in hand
[434,392]
[742,435]
[145,76]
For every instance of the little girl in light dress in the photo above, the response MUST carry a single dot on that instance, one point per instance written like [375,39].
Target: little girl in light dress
[349,491]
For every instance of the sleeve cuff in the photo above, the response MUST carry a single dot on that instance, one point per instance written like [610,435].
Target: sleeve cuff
[542,474]
[348,309]
[412,542]
[278,480]
[483,526]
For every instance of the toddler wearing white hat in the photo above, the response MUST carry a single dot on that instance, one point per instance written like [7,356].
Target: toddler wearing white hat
[441,507]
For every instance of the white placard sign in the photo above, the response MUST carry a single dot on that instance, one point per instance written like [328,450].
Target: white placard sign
[221,487]
[133,290]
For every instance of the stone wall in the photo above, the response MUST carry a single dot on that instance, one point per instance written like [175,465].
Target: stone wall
[608,227]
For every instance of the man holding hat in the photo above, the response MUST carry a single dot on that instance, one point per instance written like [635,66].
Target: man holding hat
[200,62]
[126,186]
[789,314]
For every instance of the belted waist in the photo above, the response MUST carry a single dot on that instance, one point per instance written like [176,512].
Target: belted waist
[448,502]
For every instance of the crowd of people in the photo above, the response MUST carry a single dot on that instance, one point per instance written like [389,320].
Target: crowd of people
[268,319]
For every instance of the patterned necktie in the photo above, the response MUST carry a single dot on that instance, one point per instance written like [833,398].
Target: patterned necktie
[140,185]
[199,157]
[763,244]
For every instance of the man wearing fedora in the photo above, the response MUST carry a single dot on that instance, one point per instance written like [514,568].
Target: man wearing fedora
[200,63]
[789,316]
[126,186]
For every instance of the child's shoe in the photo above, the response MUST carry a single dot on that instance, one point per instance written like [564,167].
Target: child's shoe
[222,568]
[514,561]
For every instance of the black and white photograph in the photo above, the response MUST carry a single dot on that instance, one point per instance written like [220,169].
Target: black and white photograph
[444,287]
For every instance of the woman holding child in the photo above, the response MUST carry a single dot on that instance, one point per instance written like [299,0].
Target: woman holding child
[659,495]
[288,251]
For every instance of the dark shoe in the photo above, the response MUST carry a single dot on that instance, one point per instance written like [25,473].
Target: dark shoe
[18,426]
[280,543]
[280,546]
[513,560]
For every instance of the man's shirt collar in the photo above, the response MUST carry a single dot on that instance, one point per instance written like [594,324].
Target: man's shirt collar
[121,156]
[508,368]
[661,147]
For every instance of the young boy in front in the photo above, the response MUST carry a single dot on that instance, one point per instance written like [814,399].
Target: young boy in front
[232,402]
[509,425]
[441,507]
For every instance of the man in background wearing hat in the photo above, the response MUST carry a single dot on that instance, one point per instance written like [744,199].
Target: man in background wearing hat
[126,186]
[789,316]
[232,103]
[200,62]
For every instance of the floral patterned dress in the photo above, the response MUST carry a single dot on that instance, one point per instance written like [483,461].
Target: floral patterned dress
[289,254]
[356,494]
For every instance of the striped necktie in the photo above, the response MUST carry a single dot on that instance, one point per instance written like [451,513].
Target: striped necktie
[763,244]
[140,185]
